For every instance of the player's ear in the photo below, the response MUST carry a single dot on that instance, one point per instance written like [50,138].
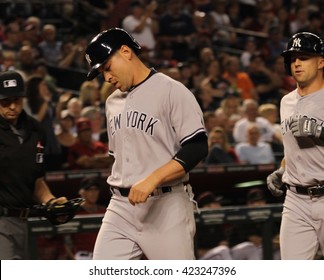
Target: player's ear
[126,51]
[321,63]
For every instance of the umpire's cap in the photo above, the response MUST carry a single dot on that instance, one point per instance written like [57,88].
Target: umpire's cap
[104,45]
[302,42]
[11,85]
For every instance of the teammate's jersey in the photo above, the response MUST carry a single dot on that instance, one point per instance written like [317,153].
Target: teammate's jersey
[304,155]
[147,126]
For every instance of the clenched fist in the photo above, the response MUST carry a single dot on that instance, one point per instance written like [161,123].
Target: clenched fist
[303,127]
[274,182]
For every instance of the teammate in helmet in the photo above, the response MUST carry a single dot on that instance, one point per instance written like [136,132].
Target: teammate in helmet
[156,135]
[302,170]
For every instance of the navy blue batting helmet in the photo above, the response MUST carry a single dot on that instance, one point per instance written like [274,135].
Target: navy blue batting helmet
[104,45]
[302,42]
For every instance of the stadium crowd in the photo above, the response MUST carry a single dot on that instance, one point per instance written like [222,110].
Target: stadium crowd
[226,52]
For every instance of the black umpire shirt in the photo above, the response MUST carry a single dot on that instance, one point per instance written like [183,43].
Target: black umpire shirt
[21,161]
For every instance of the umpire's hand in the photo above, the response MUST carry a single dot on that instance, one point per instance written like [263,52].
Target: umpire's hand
[274,182]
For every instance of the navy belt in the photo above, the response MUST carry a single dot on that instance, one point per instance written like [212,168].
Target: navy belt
[125,191]
[317,190]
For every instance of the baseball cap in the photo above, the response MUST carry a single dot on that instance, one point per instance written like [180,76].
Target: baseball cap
[207,198]
[83,124]
[11,85]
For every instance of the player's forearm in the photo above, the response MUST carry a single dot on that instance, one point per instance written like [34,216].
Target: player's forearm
[167,173]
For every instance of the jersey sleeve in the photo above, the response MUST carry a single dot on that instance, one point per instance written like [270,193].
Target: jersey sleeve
[186,115]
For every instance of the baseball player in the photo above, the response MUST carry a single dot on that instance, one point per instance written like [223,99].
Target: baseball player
[156,136]
[302,169]
[22,169]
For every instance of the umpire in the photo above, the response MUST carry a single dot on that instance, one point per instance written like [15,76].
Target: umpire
[21,168]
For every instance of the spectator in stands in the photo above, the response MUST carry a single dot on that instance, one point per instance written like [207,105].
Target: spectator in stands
[248,243]
[9,61]
[89,93]
[213,84]
[256,197]
[65,136]
[96,13]
[12,41]
[40,105]
[265,81]
[248,246]
[94,114]
[230,104]
[176,27]
[270,112]
[72,54]
[206,101]
[141,24]
[204,30]
[251,115]
[273,45]
[262,17]
[80,245]
[87,153]
[26,62]
[233,11]
[212,240]
[186,76]
[250,49]
[239,80]
[50,46]
[251,248]
[32,34]
[229,128]
[254,151]
[220,152]
[300,22]
[74,107]
[210,121]
[206,55]
[221,22]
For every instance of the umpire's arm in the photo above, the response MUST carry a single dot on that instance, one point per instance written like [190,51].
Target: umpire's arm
[42,193]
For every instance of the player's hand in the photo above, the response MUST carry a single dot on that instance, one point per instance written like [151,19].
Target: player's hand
[274,182]
[303,127]
[140,191]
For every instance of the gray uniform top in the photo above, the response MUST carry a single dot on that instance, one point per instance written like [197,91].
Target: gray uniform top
[147,125]
[304,156]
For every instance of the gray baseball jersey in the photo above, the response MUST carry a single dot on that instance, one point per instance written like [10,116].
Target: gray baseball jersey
[146,128]
[301,230]
[304,156]
[159,118]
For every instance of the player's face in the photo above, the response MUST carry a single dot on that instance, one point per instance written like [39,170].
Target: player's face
[116,70]
[304,67]
[10,108]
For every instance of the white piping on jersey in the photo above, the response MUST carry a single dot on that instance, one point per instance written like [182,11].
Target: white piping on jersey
[185,139]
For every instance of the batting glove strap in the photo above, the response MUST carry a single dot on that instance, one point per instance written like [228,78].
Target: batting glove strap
[318,132]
